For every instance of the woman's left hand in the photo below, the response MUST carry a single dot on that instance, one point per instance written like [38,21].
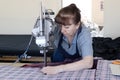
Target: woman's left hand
[51,70]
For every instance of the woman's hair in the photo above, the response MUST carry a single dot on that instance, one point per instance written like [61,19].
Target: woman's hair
[68,15]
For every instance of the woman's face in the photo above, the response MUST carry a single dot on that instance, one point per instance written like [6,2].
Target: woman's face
[69,30]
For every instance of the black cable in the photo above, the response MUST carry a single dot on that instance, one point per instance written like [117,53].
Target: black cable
[24,55]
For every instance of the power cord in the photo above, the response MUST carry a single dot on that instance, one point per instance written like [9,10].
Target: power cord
[24,55]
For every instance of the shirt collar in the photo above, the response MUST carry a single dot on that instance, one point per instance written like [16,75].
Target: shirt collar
[74,39]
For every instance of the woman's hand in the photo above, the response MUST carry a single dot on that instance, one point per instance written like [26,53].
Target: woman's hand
[52,69]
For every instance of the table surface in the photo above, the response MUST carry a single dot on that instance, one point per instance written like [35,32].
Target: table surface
[15,72]
[103,71]
[8,72]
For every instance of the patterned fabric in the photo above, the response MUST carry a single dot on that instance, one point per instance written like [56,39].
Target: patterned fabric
[22,73]
[103,71]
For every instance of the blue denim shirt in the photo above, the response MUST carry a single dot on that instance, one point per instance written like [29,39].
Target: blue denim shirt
[83,41]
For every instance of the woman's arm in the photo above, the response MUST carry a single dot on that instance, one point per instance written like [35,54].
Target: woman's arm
[86,62]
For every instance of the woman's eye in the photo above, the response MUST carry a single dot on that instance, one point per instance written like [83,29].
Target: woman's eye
[66,27]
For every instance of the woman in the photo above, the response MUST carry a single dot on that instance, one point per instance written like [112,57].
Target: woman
[72,40]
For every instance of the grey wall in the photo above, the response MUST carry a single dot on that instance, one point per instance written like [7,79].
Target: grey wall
[18,16]
[112,18]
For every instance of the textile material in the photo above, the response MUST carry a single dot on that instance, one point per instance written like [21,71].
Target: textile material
[21,73]
[103,71]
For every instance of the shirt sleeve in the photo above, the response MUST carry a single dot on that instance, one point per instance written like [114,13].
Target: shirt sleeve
[84,43]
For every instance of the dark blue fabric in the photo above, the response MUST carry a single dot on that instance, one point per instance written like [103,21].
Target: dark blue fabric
[61,55]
